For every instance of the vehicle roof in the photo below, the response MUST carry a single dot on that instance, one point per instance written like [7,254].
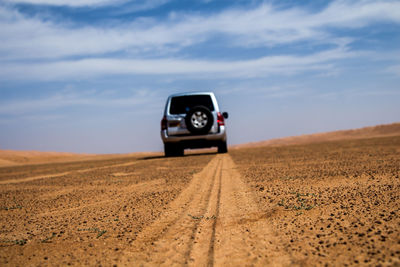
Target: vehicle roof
[192,93]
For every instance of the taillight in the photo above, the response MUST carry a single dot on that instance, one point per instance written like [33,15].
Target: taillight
[164,123]
[220,119]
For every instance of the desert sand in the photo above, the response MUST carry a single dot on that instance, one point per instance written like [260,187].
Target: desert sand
[332,200]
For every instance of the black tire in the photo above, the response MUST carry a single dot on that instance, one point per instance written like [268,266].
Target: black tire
[222,147]
[173,150]
[199,120]
[168,150]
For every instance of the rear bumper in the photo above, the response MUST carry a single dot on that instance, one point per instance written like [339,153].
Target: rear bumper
[195,141]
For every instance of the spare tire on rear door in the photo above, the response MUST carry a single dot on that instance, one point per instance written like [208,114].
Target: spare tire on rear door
[199,120]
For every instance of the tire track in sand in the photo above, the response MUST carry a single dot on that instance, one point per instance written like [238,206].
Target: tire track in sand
[213,222]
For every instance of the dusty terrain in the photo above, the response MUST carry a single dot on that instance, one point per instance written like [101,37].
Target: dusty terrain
[331,202]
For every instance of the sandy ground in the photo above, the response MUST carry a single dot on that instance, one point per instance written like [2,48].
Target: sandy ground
[332,203]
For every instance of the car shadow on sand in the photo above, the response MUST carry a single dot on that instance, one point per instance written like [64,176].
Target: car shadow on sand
[189,154]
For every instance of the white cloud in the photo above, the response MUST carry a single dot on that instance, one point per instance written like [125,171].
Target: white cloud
[355,14]
[131,6]
[72,3]
[87,68]
[75,98]
[268,26]
[30,37]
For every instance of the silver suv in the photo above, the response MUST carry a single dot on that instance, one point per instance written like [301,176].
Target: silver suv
[193,120]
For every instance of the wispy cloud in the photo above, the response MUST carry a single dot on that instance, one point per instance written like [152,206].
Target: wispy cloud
[30,37]
[72,3]
[60,100]
[130,6]
[87,68]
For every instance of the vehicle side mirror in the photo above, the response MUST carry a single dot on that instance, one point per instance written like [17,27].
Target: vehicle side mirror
[225,114]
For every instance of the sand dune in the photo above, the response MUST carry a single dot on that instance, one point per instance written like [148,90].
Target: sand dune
[12,157]
[361,133]
[15,158]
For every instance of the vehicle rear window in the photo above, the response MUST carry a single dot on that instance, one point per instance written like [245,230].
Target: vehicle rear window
[182,104]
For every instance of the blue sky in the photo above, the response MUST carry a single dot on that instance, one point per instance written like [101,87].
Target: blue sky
[93,75]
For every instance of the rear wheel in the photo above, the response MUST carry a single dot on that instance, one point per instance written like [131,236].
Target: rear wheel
[222,147]
[167,150]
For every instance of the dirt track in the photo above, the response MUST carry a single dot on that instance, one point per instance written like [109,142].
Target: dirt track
[332,203]
[214,221]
